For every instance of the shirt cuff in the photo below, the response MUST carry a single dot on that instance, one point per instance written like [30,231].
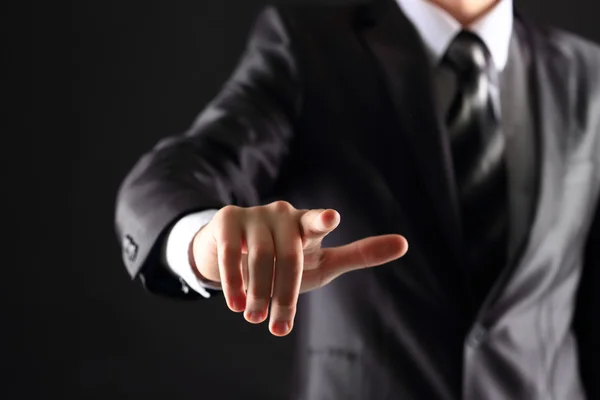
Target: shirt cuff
[176,250]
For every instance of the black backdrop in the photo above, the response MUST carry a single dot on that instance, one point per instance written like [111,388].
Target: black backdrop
[72,322]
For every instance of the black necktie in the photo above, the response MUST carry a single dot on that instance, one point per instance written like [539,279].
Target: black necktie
[478,149]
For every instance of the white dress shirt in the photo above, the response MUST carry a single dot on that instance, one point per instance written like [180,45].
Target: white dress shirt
[437,29]
[177,247]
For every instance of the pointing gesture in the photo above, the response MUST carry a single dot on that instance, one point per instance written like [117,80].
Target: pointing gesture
[270,254]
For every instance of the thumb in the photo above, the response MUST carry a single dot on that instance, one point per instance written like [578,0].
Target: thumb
[364,253]
[316,224]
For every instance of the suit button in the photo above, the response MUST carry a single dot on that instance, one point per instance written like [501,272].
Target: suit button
[477,336]
[130,248]
[184,287]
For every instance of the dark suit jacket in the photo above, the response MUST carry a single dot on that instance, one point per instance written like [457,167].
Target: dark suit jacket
[331,107]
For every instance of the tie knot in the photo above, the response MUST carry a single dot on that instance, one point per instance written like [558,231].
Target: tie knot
[467,53]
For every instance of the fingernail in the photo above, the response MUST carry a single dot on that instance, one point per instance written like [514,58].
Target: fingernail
[254,316]
[333,219]
[238,303]
[281,327]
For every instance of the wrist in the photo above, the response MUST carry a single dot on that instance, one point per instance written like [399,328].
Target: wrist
[209,283]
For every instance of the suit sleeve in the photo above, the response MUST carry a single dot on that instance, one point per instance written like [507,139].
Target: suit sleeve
[232,154]
[587,312]
[587,315]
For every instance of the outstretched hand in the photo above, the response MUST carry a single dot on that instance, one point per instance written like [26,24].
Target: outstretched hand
[268,255]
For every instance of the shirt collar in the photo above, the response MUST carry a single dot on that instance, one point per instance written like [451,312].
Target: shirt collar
[438,28]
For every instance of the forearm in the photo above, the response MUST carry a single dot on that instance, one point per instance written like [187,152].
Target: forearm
[231,155]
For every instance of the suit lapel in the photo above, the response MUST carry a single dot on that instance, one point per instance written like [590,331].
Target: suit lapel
[407,74]
[549,86]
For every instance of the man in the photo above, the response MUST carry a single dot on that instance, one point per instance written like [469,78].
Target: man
[455,123]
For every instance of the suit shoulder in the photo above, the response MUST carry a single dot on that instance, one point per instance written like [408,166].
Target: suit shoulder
[584,57]
[584,52]
[567,39]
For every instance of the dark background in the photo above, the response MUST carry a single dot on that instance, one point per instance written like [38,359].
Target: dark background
[72,321]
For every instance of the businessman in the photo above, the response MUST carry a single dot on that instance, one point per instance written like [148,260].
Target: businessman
[346,134]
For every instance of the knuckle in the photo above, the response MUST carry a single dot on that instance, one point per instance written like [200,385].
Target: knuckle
[257,296]
[228,212]
[285,306]
[281,206]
